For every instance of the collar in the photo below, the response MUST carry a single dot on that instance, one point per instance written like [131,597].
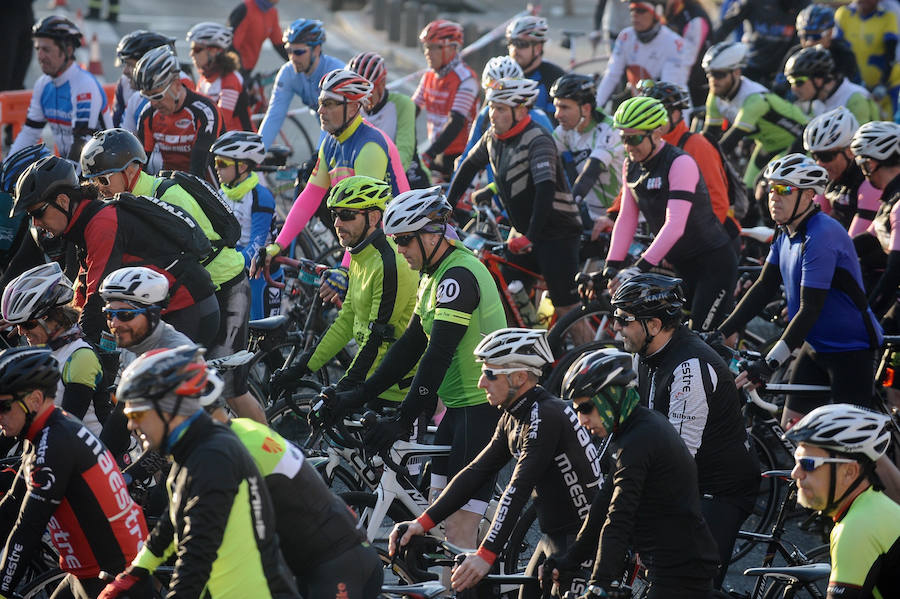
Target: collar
[523,404]
[375,235]
[77,213]
[515,129]
[654,359]
[737,89]
[441,72]
[264,5]
[237,193]
[64,338]
[839,515]
[350,129]
[149,342]
[178,432]
[377,108]
[673,136]
[39,423]
[65,75]
[433,267]
[801,224]
[145,185]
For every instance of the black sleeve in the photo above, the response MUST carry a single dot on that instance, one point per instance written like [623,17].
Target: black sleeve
[585,180]
[210,127]
[598,14]
[77,399]
[890,50]
[731,139]
[447,134]
[734,17]
[9,506]
[399,359]
[812,301]
[885,291]
[237,16]
[754,300]
[586,541]
[475,160]
[162,535]
[543,206]
[92,321]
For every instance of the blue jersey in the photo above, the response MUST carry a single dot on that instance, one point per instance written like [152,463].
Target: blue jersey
[813,257]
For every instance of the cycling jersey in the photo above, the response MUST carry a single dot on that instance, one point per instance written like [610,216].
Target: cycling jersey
[664,58]
[453,89]
[73,104]
[228,93]
[546,75]
[870,37]
[289,83]
[395,115]
[709,161]
[851,199]
[220,520]
[865,549]
[184,137]
[856,98]
[70,486]
[81,374]
[555,459]
[253,22]
[380,300]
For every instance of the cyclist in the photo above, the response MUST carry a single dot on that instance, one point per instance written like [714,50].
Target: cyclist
[235,156]
[179,124]
[648,501]
[531,183]
[66,97]
[68,484]
[554,456]
[591,149]
[663,183]
[448,95]
[813,78]
[38,302]
[646,50]
[684,379]
[252,23]
[300,75]
[690,20]
[774,124]
[380,297]
[865,540]
[319,536]
[220,522]
[107,238]
[525,39]
[831,323]
[220,77]
[848,197]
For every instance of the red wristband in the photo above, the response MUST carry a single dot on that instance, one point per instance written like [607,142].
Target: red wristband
[487,555]
[426,522]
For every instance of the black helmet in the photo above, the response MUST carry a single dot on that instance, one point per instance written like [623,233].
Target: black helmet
[595,371]
[110,151]
[57,28]
[137,43]
[42,181]
[673,97]
[24,369]
[650,295]
[15,165]
[575,86]
[815,61]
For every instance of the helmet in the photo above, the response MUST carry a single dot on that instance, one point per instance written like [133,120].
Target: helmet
[24,369]
[596,370]
[513,92]
[168,374]
[111,151]
[672,96]
[57,28]
[240,145]
[815,17]
[35,292]
[876,139]
[500,67]
[442,31]
[369,65]
[529,28]
[575,86]
[650,295]
[15,165]
[359,192]
[527,348]
[799,170]
[725,56]
[156,69]
[42,181]
[344,85]
[815,61]
[137,43]
[135,284]
[831,130]
[640,113]
[305,31]
[412,210]
[210,34]
[844,428]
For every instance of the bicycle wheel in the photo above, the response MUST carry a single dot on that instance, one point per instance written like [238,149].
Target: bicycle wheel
[553,381]
[591,322]
[339,479]
[767,499]
[288,417]
[362,504]
[42,585]
[521,543]
[293,134]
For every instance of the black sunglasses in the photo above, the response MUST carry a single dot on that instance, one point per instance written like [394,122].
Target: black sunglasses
[296,51]
[623,319]
[719,74]
[827,156]
[583,408]
[39,213]
[123,314]
[29,324]
[345,214]
[517,43]
[634,140]
[404,240]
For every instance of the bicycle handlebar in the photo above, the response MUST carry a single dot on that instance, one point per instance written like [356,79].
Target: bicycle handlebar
[302,264]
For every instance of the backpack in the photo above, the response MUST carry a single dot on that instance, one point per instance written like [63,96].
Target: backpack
[738,195]
[167,221]
[219,213]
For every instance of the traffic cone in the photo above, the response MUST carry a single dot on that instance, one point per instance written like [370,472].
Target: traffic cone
[56,4]
[95,65]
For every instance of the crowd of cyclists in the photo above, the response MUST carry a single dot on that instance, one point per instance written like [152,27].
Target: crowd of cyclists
[144,242]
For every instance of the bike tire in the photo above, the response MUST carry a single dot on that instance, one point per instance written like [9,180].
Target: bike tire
[42,585]
[341,480]
[593,319]
[361,501]
[768,498]
[553,381]
[521,543]
[289,417]
[294,134]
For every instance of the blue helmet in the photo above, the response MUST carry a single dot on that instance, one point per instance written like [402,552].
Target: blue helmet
[815,17]
[15,165]
[305,31]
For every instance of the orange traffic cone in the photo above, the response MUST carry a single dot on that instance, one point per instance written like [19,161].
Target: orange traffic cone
[56,4]
[95,65]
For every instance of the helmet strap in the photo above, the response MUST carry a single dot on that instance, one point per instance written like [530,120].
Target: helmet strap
[794,216]
[29,417]
[347,121]
[833,503]
[648,338]
[735,86]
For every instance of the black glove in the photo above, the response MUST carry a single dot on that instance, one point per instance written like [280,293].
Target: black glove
[287,378]
[343,402]
[384,432]
[133,582]
[713,338]
[485,195]
[758,371]
[560,562]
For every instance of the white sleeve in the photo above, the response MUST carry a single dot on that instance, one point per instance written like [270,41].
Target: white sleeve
[28,135]
[614,69]
[678,65]
[688,407]
[694,35]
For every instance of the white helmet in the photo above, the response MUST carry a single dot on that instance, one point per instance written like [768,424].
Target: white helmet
[500,67]
[344,85]
[844,428]
[527,348]
[137,284]
[832,130]
[35,292]
[210,34]
[876,139]
[798,170]
[528,28]
[240,145]
[725,56]
[513,92]
[156,69]
[413,210]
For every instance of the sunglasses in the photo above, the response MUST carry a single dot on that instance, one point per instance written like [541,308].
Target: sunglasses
[135,416]
[345,214]
[223,162]
[638,10]
[198,49]
[101,180]
[29,324]
[517,43]
[810,464]
[491,373]
[827,156]
[583,408]
[7,405]
[39,213]
[780,189]
[797,81]
[123,314]
[296,51]
[719,74]
[404,240]
[157,96]
[329,103]
[812,36]
[635,139]
[623,319]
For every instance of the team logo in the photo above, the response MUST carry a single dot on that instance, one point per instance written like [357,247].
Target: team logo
[270,445]
[183,123]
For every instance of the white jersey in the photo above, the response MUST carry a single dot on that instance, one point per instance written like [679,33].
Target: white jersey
[664,58]
[729,108]
[62,355]
[602,143]
[842,94]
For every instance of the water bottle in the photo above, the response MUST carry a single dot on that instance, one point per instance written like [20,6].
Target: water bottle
[523,303]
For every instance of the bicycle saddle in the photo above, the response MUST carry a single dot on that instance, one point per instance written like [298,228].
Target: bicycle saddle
[421,589]
[802,574]
[269,324]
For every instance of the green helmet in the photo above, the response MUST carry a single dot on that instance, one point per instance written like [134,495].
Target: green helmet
[640,113]
[360,192]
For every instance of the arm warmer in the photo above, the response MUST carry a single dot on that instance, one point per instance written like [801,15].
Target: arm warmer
[754,300]
[448,133]
[812,300]
[623,230]
[77,399]
[731,139]
[585,180]
[885,291]
[304,207]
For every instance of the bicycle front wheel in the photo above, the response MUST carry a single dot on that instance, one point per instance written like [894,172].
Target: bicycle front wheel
[767,498]
[591,322]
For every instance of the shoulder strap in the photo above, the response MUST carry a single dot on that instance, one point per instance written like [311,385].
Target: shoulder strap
[683,139]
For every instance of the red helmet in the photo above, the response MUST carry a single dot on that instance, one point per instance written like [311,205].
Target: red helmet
[344,85]
[442,31]
[369,65]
